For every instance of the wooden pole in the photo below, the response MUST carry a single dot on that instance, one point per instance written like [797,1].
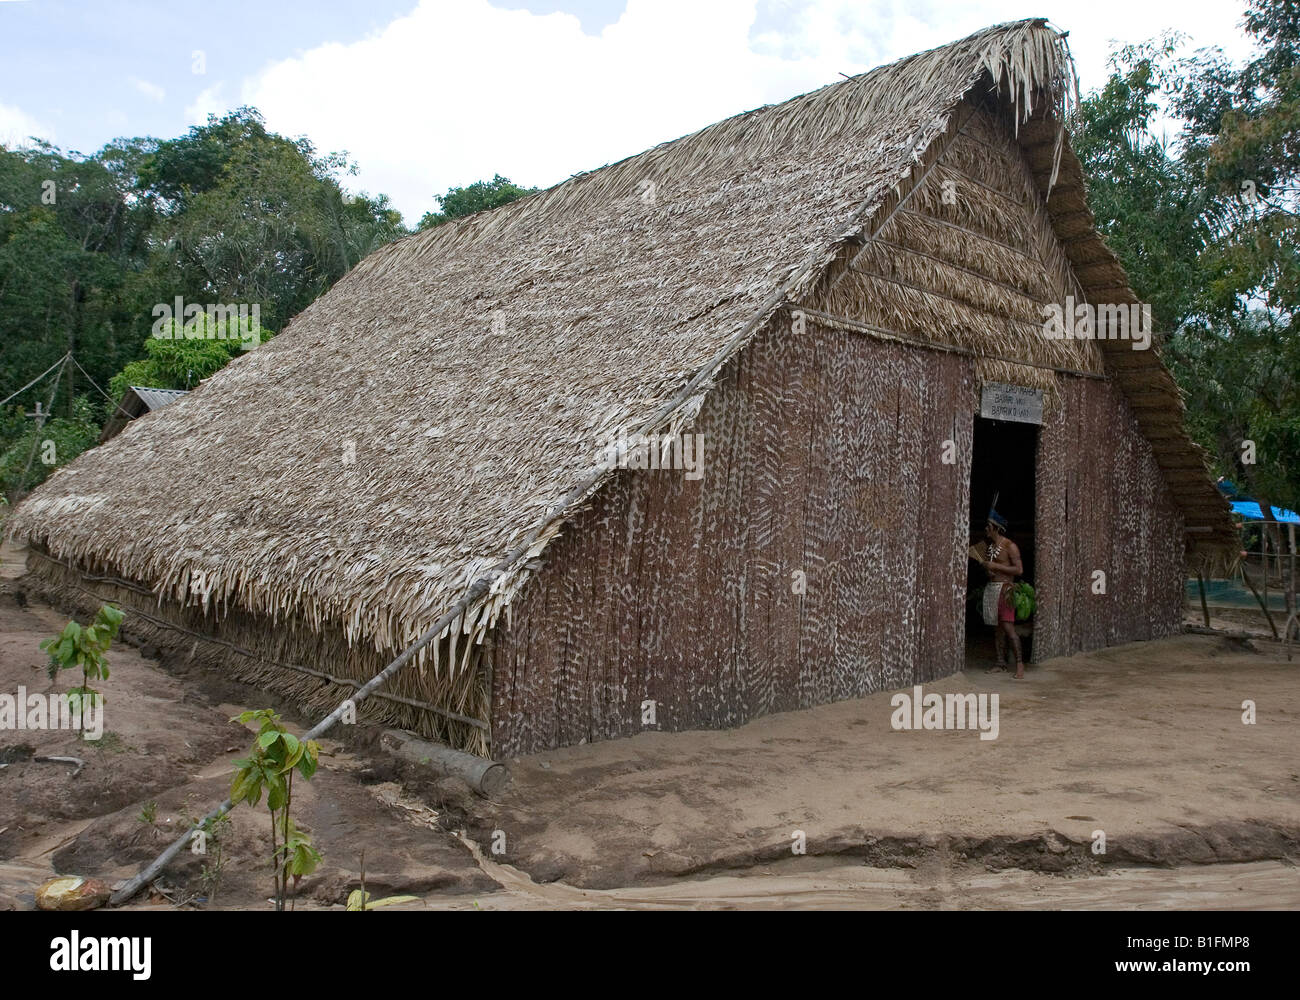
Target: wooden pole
[486,777]
[1205,611]
[1263,607]
[1290,591]
[1291,586]
[134,884]
[1263,555]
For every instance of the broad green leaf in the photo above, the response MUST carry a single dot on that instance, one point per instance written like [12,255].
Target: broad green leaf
[304,860]
[391,901]
[242,787]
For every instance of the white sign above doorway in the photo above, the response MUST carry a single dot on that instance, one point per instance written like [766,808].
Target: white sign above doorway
[999,401]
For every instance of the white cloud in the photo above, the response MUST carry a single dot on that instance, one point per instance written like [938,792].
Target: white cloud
[150,90]
[17,127]
[457,91]
[532,97]
[208,101]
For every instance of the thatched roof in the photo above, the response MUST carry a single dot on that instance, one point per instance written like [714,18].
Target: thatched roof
[475,370]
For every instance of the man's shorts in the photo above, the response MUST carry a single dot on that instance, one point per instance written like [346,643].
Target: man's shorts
[997,604]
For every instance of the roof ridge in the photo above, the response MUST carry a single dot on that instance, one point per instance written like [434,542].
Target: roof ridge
[454,227]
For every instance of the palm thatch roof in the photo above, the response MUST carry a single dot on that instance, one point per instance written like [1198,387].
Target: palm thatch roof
[447,403]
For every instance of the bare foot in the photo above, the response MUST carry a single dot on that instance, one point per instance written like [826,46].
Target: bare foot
[1020,671]
[996,670]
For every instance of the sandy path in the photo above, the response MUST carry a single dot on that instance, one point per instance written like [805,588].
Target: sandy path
[1267,885]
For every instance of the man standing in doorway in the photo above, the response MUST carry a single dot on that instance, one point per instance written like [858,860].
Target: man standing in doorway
[1003,565]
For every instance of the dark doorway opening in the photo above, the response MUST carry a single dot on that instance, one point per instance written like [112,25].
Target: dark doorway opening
[1004,460]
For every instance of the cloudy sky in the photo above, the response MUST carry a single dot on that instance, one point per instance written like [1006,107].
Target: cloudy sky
[427,94]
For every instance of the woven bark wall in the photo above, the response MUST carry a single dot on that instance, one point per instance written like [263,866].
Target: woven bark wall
[1102,501]
[1103,505]
[823,455]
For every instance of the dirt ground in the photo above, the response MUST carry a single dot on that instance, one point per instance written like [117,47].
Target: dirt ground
[1144,742]
[165,758]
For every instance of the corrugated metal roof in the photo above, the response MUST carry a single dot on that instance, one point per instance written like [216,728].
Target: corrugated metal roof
[156,399]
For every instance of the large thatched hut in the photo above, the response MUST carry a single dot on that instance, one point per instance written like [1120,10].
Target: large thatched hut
[826,291]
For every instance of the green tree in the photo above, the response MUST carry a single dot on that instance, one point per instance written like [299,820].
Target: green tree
[1206,228]
[477,197]
[72,240]
[1242,139]
[85,647]
[186,354]
[270,765]
[253,217]
[1146,200]
[31,451]
[227,213]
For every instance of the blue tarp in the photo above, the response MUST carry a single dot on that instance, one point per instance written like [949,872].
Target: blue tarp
[1250,510]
